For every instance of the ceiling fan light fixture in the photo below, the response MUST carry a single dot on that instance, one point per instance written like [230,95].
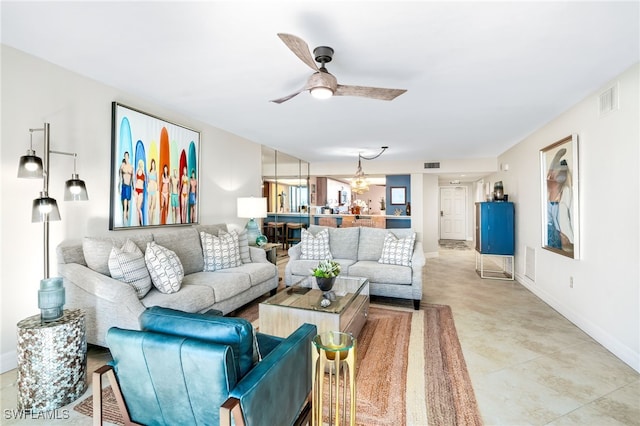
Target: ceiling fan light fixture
[321,92]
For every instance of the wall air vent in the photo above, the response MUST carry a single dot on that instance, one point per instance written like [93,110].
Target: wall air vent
[608,100]
[434,165]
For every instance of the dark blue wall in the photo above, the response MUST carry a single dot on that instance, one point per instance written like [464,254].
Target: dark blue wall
[397,181]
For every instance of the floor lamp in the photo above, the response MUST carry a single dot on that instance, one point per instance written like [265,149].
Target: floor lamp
[45,209]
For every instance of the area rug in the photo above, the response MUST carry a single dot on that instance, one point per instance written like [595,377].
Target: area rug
[410,370]
[455,244]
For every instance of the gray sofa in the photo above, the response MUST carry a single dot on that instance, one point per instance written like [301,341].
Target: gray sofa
[108,302]
[357,250]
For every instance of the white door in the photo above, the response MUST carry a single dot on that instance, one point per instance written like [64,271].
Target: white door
[453,213]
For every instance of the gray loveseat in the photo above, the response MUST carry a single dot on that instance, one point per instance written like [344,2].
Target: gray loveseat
[357,250]
[108,302]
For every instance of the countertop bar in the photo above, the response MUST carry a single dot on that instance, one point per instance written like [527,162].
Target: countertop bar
[362,216]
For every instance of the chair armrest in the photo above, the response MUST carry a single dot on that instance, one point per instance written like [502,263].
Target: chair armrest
[295,252]
[266,343]
[258,255]
[283,377]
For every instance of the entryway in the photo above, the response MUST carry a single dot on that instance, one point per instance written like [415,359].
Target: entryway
[453,213]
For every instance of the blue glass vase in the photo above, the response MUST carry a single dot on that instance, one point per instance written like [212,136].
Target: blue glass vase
[51,299]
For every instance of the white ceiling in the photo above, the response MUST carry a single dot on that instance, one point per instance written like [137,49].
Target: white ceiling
[480,76]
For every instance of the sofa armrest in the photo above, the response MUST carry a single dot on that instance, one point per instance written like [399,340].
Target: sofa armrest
[283,378]
[101,286]
[258,255]
[418,259]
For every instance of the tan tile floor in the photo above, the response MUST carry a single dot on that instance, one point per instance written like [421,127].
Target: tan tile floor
[528,364]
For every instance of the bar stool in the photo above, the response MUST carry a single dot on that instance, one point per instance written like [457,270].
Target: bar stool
[275,232]
[291,233]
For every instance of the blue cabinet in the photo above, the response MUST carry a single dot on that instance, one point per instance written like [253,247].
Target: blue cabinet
[495,228]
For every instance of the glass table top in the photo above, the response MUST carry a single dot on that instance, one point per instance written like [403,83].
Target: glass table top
[306,295]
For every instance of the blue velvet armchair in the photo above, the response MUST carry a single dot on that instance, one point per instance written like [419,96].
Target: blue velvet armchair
[195,369]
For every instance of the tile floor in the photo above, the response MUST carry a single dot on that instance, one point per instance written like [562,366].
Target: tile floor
[528,364]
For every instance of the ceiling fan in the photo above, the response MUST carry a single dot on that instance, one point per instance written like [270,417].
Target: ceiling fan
[322,84]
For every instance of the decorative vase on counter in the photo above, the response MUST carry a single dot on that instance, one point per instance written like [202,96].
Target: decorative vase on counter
[408,208]
[498,191]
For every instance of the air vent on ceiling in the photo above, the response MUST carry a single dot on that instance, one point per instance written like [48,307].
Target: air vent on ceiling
[434,165]
[608,100]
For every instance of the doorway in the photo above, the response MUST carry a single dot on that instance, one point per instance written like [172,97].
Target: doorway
[453,213]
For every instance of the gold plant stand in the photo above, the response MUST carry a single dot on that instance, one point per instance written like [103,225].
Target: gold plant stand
[334,353]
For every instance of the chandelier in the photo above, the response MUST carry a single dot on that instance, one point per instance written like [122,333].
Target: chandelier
[359,183]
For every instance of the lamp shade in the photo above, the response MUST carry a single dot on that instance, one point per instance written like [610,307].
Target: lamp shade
[75,189]
[252,207]
[30,165]
[45,209]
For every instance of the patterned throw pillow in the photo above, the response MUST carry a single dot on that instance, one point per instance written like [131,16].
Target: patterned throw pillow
[397,251]
[127,264]
[243,244]
[315,247]
[220,252]
[164,267]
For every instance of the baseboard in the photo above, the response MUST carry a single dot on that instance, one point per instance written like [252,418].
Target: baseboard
[431,255]
[613,345]
[8,361]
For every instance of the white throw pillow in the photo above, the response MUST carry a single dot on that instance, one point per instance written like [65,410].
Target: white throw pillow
[127,264]
[220,252]
[397,251]
[315,247]
[164,267]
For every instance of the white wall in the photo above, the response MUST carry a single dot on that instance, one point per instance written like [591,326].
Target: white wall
[79,111]
[605,299]
[430,213]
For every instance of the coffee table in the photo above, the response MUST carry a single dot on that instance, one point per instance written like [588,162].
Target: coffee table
[282,314]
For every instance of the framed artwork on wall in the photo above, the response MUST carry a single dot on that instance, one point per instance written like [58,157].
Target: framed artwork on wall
[559,175]
[155,171]
[398,195]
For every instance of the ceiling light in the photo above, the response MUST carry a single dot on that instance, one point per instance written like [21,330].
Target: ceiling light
[321,92]
[359,183]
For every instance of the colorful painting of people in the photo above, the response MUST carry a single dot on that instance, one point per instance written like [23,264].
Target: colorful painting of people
[126,174]
[140,184]
[559,204]
[164,195]
[155,172]
[152,190]
[175,197]
[193,189]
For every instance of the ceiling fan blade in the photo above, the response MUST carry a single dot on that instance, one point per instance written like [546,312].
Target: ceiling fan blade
[369,92]
[300,48]
[286,98]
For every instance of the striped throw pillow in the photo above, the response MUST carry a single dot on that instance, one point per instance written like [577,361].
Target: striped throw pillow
[127,264]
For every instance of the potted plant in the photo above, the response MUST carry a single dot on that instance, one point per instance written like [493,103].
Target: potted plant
[326,273]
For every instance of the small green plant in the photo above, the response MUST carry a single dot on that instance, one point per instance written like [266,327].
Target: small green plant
[326,269]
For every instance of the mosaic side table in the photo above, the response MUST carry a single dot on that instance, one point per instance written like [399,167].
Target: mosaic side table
[52,361]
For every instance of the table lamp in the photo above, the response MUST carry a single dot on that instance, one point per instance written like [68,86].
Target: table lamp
[252,208]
